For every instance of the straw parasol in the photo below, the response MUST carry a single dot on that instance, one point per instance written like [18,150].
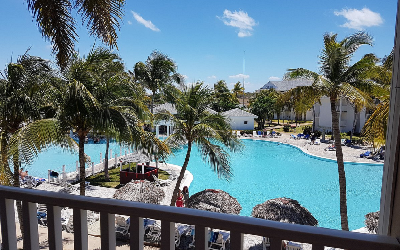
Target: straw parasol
[141,191]
[284,210]
[371,222]
[214,200]
[136,157]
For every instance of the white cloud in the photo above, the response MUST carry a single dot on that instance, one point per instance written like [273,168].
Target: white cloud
[146,23]
[239,19]
[212,77]
[359,19]
[274,78]
[184,77]
[240,76]
[129,22]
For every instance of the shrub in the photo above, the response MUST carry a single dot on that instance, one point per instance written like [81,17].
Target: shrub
[286,128]
[317,133]
[307,130]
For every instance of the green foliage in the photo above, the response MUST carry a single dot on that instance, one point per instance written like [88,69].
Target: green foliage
[224,100]
[317,133]
[307,130]
[263,105]
[286,128]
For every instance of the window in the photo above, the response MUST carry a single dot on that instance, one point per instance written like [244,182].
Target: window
[245,122]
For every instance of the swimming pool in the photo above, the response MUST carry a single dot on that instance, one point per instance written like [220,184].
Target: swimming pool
[266,170]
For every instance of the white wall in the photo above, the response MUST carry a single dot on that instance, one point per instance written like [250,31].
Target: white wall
[237,123]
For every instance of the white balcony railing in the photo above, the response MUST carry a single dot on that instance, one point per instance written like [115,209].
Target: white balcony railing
[237,225]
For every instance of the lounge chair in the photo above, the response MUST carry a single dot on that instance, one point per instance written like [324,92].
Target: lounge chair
[152,230]
[160,182]
[122,227]
[218,240]
[182,230]
[265,243]
[238,133]
[317,142]
[293,246]
[365,155]
[293,137]
[255,134]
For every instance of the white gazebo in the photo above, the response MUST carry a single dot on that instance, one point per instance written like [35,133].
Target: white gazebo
[240,119]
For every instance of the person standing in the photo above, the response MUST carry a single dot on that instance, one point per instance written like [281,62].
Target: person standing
[185,192]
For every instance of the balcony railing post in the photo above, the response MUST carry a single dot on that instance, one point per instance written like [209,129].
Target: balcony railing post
[201,237]
[54,227]
[236,240]
[107,231]
[136,233]
[275,244]
[8,232]
[167,235]
[80,229]
[31,233]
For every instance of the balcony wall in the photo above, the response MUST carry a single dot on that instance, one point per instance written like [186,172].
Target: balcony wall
[236,225]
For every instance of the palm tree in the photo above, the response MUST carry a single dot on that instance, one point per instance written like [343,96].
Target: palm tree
[156,73]
[375,128]
[87,105]
[194,123]
[339,79]
[57,24]
[114,90]
[238,90]
[23,93]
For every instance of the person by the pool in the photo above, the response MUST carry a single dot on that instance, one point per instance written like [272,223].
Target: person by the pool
[179,200]
[23,173]
[185,192]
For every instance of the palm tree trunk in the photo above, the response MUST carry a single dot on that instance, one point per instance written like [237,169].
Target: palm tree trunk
[341,171]
[82,172]
[354,124]
[106,175]
[182,173]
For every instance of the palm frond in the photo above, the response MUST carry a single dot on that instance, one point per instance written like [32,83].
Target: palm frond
[216,156]
[355,96]
[56,24]
[374,130]
[32,139]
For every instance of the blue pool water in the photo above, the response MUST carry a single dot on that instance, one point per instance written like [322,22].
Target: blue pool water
[266,170]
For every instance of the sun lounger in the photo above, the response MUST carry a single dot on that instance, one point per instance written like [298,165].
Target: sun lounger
[265,243]
[293,246]
[365,155]
[255,134]
[238,133]
[121,227]
[317,142]
[218,240]
[160,182]
[180,231]
[152,230]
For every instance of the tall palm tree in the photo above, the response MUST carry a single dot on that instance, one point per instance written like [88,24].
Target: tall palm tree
[114,90]
[23,93]
[339,79]
[57,24]
[158,71]
[87,105]
[195,124]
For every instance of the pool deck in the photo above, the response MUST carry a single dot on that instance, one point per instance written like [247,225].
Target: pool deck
[350,154]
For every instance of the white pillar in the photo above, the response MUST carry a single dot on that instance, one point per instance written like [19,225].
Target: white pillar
[340,112]
[167,130]
[142,168]
[157,131]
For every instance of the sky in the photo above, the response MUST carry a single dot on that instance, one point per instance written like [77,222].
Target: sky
[228,40]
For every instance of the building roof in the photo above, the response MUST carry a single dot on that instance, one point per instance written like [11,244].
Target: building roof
[238,112]
[165,107]
[286,85]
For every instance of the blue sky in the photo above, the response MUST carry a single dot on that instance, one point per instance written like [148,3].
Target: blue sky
[208,39]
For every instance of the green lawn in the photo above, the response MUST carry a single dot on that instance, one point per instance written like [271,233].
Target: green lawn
[98,179]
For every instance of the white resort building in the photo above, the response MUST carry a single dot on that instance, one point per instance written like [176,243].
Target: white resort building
[240,119]
[321,112]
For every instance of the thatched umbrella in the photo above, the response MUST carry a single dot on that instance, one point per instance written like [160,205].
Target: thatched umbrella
[142,191]
[284,210]
[136,157]
[371,222]
[214,200]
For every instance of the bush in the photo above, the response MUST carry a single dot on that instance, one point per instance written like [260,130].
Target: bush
[317,133]
[246,132]
[286,128]
[307,130]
